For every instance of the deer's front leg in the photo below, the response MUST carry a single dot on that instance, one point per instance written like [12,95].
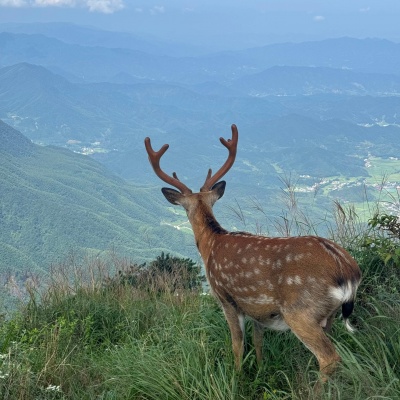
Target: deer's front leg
[235,321]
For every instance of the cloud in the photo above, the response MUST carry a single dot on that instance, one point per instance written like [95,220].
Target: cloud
[365,9]
[102,6]
[52,3]
[12,3]
[105,6]
[157,10]
[319,18]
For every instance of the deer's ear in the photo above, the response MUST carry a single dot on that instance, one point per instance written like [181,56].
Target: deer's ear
[173,196]
[219,189]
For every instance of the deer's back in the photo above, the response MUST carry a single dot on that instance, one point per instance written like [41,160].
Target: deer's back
[264,275]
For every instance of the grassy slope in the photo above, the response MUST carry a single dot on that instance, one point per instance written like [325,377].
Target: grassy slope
[82,339]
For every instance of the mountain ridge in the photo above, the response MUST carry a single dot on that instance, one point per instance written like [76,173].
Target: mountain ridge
[95,64]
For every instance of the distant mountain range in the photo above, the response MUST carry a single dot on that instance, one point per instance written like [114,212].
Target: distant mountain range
[90,36]
[110,121]
[88,63]
[292,81]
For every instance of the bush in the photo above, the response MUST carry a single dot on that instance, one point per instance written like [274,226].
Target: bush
[384,238]
[166,274]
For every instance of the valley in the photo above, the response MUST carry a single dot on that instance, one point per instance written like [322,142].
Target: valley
[318,124]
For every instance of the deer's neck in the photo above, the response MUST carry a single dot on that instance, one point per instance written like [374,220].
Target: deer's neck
[205,228]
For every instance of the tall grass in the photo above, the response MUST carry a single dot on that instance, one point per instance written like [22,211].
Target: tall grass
[91,340]
[94,333]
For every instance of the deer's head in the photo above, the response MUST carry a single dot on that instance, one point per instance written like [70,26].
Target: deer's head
[212,189]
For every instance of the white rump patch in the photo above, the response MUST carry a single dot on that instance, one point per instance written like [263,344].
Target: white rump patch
[342,293]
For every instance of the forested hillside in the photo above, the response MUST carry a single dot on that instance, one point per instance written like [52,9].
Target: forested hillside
[54,201]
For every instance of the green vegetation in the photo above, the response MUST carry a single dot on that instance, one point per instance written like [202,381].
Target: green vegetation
[146,331]
[384,238]
[166,274]
[54,201]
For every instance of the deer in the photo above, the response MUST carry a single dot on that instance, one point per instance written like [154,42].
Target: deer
[298,283]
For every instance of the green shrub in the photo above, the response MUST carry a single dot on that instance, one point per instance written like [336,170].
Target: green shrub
[165,274]
[384,238]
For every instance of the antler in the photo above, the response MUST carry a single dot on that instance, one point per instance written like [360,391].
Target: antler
[154,158]
[231,145]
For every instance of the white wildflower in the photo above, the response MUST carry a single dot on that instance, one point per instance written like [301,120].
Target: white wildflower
[53,388]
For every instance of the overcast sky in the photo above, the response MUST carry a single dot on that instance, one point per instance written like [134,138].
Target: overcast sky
[222,23]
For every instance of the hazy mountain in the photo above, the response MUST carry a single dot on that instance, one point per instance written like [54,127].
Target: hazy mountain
[52,110]
[84,63]
[364,110]
[54,201]
[365,55]
[110,122]
[91,36]
[289,81]
[100,63]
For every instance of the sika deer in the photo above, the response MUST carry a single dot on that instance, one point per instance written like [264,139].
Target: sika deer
[296,283]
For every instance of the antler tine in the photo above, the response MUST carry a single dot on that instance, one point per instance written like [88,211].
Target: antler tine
[231,145]
[154,158]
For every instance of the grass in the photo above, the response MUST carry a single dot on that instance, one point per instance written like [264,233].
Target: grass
[86,339]
[92,334]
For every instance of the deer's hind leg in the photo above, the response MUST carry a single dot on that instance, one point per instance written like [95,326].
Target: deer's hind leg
[312,335]
[258,336]
[329,322]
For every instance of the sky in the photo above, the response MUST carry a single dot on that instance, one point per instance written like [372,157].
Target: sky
[219,23]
